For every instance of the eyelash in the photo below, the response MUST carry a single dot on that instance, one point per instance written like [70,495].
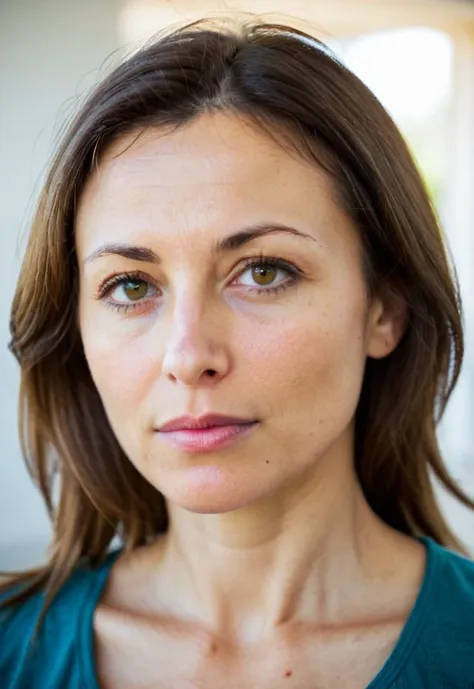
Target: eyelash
[120,278]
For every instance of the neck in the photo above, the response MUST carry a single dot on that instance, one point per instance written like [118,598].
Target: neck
[308,554]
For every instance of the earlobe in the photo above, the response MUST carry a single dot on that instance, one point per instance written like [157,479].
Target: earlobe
[387,323]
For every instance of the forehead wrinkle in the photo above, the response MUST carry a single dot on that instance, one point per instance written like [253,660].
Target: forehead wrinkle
[182,212]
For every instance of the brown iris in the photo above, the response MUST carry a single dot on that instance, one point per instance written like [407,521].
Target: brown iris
[264,275]
[135,289]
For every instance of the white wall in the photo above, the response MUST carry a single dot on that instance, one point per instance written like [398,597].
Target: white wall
[50,53]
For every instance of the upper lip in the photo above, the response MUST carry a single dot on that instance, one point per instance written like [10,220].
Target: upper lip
[206,421]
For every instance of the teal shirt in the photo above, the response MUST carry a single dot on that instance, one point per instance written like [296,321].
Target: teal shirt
[434,651]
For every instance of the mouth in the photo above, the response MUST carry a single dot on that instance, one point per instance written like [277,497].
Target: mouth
[207,439]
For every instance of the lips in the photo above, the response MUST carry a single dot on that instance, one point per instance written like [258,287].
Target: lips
[206,438]
[189,423]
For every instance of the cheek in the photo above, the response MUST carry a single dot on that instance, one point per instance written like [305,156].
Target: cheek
[312,369]
[120,367]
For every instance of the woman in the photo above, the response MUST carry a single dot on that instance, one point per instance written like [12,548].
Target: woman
[237,329]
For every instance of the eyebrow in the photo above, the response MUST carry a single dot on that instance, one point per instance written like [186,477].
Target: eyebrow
[225,245]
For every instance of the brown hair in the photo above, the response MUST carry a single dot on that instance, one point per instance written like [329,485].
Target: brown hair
[290,84]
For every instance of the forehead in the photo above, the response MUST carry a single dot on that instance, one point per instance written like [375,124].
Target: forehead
[213,147]
[215,171]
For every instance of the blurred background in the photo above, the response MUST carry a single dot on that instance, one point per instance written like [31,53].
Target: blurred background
[416,55]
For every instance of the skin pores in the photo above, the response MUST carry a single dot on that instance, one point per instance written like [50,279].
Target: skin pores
[293,359]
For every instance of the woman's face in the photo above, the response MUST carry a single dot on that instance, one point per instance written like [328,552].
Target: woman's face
[174,325]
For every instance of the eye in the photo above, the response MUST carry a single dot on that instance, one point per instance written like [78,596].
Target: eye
[264,272]
[131,290]
[126,291]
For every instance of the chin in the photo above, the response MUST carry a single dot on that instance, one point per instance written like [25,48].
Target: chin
[209,490]
[211,502]
[210,508]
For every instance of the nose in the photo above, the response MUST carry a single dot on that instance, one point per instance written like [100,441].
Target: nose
[195,350]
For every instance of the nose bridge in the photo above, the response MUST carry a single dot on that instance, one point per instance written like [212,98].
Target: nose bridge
[194,345]
[189,308]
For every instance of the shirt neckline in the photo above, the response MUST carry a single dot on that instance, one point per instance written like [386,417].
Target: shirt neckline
[393,665]
[86,637]
[414,624]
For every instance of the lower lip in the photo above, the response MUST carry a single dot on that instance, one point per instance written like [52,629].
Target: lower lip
[206,439]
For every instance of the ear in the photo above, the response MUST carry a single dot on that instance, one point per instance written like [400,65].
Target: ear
[386,323]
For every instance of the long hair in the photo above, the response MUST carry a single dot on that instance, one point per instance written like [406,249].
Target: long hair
[293,87]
